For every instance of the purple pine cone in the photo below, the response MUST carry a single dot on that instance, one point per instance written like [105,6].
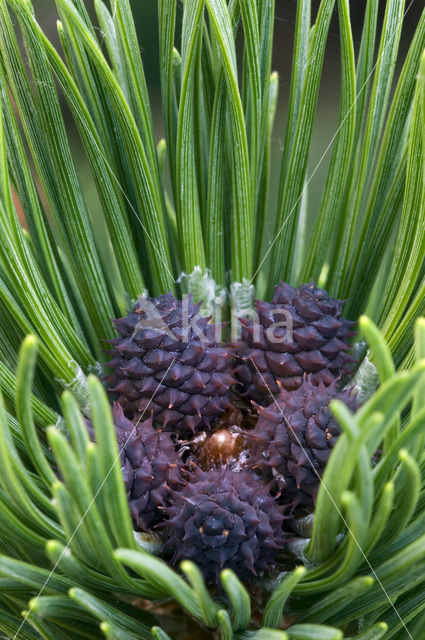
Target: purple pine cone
[167,362]
[294,438]
[150,465]
[222,518]
[300,331]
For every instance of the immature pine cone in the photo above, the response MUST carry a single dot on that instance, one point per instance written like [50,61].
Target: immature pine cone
[294,438]
[316,342]
[150,466]
[167,362]
[221,519]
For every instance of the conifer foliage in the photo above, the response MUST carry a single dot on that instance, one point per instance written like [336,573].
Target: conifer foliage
[187,510]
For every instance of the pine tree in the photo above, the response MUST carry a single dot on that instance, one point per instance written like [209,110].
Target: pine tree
[197,213]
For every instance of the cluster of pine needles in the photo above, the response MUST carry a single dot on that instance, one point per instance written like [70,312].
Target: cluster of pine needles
[202,203]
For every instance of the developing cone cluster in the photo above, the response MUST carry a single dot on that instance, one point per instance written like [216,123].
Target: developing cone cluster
[222,444]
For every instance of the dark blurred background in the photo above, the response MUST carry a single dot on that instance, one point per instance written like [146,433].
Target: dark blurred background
[145,15]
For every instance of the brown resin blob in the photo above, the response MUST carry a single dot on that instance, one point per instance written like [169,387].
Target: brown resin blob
[221,447]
